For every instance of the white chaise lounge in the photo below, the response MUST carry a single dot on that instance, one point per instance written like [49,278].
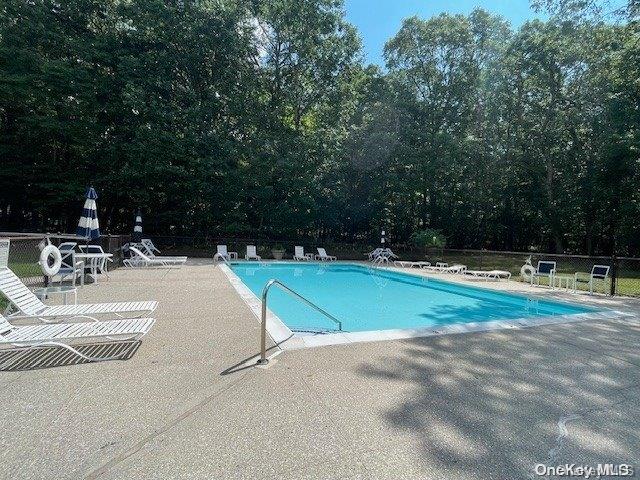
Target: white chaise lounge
[252,253]
[29,305]
[322,255]
[489,274]
[141,260]
[300,256]
[408,264]
[65,334]
[150,251]
[442,267]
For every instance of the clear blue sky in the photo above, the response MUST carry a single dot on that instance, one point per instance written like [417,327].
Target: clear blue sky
[379,20]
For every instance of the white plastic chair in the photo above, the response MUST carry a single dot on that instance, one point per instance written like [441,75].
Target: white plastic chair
[222,251]
[322,255]
[252,253]
[300,256]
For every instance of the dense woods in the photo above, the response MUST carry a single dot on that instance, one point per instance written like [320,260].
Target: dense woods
[230,117]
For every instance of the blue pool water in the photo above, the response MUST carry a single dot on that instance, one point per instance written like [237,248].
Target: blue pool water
[373,299]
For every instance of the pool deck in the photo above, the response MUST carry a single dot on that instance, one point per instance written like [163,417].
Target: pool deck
[187,405]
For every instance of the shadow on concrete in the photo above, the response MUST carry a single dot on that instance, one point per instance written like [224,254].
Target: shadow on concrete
[494,405]
[20,359]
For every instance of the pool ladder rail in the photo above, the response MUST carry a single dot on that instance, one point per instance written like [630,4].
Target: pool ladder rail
[263,360]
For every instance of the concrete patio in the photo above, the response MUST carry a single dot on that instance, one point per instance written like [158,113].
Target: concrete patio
[478,405]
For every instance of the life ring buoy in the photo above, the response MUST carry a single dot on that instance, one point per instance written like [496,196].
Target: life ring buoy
[50,251]
[527,271]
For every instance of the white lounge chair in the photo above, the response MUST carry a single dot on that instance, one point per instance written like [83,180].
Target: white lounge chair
[322,255]
[300,256]
[222,251]
[545,269]
[141,260]
[598,273]
[489,274]
[252,253]
[408,264]
[65,334]
[29,305]
[442,267]
[149,247]
[150,250]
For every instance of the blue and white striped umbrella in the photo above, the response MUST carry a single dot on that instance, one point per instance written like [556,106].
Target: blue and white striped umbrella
[137,228]
[88,225]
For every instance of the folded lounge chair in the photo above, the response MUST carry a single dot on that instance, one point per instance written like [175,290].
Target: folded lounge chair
[148,245]
[598,273]
[222,252]
[141,260]
[252,254]
[322,255]
[300,256]
[65,334]
[29,305]
[489,274]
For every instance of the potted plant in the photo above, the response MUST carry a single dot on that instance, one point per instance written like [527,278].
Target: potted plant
[277,251]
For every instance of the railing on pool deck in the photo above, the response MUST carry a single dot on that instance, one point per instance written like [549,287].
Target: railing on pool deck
[217,256]
[263,327]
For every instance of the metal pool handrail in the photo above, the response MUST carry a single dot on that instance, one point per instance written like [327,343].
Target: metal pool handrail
[218,256]
[263,327]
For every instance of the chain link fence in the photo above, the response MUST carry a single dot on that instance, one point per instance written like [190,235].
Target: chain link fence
[624,276]
[624,273]
[24,255]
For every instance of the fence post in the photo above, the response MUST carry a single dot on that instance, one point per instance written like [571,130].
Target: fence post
[614,274]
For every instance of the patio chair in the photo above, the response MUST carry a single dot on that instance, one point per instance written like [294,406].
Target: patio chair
[141,260]
[222,251]
[322,255]
[598,273]
[300,256]
[70,267]
[29,305]
[544,269]
[252,253]
[98,265]
[67,334]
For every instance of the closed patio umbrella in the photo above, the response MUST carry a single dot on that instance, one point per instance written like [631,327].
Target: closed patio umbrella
[88,226]
[137,228]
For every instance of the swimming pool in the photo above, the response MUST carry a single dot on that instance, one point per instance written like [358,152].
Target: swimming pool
[366,299]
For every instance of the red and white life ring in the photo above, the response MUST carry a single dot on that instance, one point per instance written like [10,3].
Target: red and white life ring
[50,269]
